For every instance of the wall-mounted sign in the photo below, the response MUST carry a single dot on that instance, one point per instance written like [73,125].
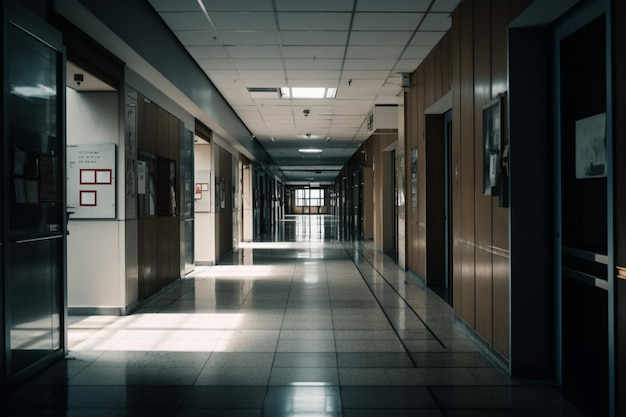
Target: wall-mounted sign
[91,181]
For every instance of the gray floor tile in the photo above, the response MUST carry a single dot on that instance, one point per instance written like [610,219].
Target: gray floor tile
[305,360]
[385,397]
[307,339]
[373,360]
[300,376]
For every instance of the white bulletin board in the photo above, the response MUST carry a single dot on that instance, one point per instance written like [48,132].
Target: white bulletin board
[91,181]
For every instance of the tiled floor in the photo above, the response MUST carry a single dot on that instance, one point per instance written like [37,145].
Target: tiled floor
[303,327]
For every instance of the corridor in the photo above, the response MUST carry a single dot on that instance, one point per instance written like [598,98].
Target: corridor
[301,325]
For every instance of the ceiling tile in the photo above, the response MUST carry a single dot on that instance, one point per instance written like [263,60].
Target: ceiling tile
[323,75]
[239,5]
[424,38]
[249,37]
[444,5]
[310,64]
[313,52]
[253,52]
[407,65]
[313,37]
[186,21]
[203,52]
[217,75]
[317,5]
[379,52]
[363,75]
[393,5]
[436,21]
[380,38]
[361,93]
[388,93]
[368,64]
[261,64]
[177,6]
[262,75]
[243,21]
[197,37]
[386,21]
[216,64]
[314,21]
[416,52]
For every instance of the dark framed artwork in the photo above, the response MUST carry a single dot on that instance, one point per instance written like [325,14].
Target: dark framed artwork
[493,128]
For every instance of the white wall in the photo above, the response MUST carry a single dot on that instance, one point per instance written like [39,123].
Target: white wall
[96,269]
[204,236]
[247,204]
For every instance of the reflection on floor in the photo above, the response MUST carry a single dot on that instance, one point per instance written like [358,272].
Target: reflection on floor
[302,326]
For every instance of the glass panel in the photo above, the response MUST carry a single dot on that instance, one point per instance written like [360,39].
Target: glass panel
[146,184]
[35,269]
[35,206]
[36,209]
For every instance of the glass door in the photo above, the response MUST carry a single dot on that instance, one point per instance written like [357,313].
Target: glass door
[582,203]
[34,195]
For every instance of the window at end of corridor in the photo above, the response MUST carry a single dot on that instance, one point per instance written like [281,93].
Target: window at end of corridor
[307,197]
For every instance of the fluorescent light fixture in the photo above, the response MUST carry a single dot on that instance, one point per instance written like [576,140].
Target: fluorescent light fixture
[309,150]
[307,92]
[40,91]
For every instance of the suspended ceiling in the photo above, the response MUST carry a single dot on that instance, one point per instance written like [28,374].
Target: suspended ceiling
[360,47]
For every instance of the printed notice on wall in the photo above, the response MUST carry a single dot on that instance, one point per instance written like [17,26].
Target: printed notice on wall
[91,181]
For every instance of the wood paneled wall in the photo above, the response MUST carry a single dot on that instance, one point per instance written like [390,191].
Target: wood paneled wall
[471,62]
[224,218]
[376,144]
[159,133]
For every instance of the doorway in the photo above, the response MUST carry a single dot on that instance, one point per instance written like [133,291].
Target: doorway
[447,205]
[582,206]
[389,206]
[33,246]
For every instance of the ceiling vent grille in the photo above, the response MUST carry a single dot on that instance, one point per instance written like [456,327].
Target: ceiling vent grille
[264,92]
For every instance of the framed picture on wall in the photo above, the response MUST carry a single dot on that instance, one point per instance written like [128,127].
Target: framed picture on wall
[591,147]
[493,128]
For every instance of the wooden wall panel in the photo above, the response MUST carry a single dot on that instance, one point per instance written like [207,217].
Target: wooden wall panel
[435,200]
[484,294]
[158,237]
[422,88]
[147,256]
[223,219]
[438,74]
[147,137]
[468,283]
[467,163]
[163,250]
[173,150]
[421,153]
[163,133]
[483,204]
[410,143]
[499,24]
[175,249]
[455,60]
[467,122]
[446,64]
[482,95]
[429,81]
[501,304]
